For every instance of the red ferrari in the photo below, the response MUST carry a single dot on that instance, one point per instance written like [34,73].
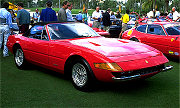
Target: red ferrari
[163,36]
[76,50]
[101,32]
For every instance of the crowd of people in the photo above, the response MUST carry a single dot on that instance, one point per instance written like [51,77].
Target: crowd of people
[22,17]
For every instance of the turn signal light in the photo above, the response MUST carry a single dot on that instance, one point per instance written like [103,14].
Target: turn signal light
[129,32]
[108,66]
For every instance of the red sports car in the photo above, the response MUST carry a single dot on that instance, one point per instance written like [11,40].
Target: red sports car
[101,32]
[77,51]
[162,36]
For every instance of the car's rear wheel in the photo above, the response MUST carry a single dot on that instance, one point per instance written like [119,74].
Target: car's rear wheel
[19,58]
[81,77]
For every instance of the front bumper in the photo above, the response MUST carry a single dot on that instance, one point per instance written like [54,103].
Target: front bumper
[138,76]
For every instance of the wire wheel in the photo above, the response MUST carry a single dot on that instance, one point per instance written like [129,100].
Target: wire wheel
[19,57]
[79,75]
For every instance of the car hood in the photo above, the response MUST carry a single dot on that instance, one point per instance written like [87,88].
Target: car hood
[112,47]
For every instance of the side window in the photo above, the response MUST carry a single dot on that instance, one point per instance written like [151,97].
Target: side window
[155,29]
[142,28]
[172,31]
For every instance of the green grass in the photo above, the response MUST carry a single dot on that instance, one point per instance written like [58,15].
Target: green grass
[74,11]
[41,88]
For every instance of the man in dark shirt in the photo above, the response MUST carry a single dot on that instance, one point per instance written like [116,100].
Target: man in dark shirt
[48,14]
[118,15]
[62,16]
[106,20]
[23,18]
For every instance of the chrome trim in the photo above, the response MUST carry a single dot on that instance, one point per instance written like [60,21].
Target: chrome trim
[167,68]
[138,75]
[127,78]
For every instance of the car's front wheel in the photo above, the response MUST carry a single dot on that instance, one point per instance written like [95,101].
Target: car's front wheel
[134,39]
[19,58]
[81,77]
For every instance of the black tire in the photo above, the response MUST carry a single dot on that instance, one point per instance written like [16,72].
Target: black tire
[81,76]
[134,39]
[19,58]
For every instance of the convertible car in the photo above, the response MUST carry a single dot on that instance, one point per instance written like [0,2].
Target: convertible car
[76,50]
[163,36]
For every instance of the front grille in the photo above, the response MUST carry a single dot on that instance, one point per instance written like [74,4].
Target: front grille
[138,72]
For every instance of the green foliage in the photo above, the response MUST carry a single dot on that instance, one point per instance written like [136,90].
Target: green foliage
[149,5]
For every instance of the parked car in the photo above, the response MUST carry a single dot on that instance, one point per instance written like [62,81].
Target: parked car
[115,28]
[76,50]
[163,36]
[102,32]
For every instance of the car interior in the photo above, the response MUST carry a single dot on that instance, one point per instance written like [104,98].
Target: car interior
[37,34]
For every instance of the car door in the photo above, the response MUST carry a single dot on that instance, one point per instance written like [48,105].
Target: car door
[174,40]
[157,38]
[38,48]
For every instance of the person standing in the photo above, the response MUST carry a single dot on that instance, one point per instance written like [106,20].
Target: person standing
[5,27]
[106,19]
[68,13]
[157,14]
[118,15]
[175,14]
[170,15]
[23,18]
[36,16]
[62,16]
[97,16]
[125,20]
[79,17]
[48,14]
[85,16]
[112,15]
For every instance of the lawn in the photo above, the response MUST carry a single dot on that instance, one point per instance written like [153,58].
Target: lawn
[41,88]
[74,11]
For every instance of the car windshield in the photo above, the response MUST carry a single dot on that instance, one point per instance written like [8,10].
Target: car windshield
[172,29]
[70,31]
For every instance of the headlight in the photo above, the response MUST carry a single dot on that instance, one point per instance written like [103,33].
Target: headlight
[108,66]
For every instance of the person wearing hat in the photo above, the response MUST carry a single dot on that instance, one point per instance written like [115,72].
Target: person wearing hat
[79,17]
[48,14]
[106,20]
[23,18]
[5,27]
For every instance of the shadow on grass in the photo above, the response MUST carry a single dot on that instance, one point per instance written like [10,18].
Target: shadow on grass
[174,59]
[98,86]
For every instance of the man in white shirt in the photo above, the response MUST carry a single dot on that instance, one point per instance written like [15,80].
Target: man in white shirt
[97,16]
[68,13]
[176,15]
